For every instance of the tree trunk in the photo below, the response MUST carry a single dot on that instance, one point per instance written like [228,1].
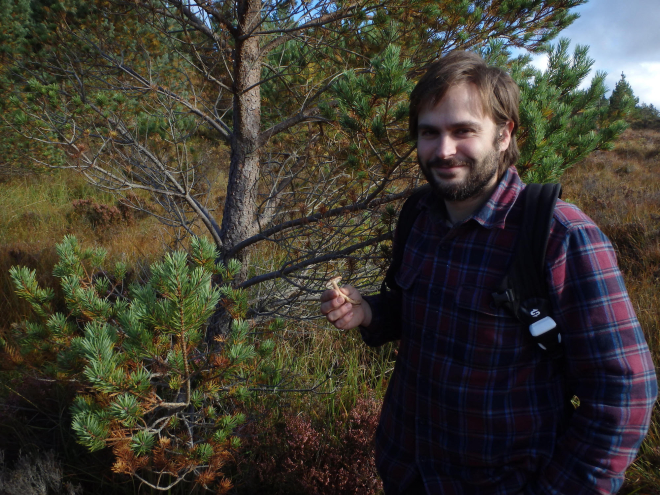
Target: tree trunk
[238,222]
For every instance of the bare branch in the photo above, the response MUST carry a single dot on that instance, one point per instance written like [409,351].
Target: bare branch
[313,261]
[369,203]
[219,126]
[321,21]
[302,116]
[199,24]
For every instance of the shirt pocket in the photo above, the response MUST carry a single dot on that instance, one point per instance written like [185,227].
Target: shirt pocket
[479,300]
[490,336]
[412,308]
[408,272]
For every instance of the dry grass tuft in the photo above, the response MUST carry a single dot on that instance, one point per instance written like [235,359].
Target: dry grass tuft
[36,475]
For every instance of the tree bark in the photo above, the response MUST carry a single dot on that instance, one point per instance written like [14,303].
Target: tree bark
[238,222]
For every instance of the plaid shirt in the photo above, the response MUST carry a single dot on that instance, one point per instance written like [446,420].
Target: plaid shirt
[474,406]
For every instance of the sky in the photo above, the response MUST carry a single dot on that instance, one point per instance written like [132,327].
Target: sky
[623,36]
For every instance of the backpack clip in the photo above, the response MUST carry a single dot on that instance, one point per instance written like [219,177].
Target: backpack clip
[503,296]
[543,329]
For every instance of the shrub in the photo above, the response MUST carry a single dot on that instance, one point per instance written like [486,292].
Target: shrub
[149,385]
[102,215]
[296,456]
[40,475]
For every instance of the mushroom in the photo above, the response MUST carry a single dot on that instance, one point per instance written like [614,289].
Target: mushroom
[333,284]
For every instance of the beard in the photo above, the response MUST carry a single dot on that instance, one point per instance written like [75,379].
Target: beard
[480,174]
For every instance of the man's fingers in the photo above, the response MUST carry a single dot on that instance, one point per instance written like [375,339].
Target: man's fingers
[338,311]
[331,295]
[330,300]
[328,295]
[344,323]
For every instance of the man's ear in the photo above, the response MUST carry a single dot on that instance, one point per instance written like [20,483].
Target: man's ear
[504,137]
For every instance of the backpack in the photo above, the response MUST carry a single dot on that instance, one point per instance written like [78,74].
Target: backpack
[523,291]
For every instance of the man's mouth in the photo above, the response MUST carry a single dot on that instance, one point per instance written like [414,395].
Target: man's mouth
[446,164]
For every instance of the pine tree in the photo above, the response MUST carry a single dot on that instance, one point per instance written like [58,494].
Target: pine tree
[646,115]
[150,385]
[560,123]
[622,100]
[303,105]
[27,29]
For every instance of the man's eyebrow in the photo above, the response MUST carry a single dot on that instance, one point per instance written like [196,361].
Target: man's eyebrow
[466,123]
[455,125]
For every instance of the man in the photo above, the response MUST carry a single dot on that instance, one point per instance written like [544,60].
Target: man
[473,405]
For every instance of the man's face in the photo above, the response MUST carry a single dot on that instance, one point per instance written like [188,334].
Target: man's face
[458,146]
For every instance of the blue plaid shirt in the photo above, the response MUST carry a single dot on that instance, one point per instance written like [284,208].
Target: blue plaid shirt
[474,406]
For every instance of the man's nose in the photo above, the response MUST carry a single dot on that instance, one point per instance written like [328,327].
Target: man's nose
[445,147]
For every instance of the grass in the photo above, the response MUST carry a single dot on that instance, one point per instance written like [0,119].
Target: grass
[37,211]
[619,189]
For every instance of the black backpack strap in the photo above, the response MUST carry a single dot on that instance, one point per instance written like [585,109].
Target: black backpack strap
[523,291]
[404,225]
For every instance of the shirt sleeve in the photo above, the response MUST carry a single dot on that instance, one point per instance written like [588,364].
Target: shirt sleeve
[608,365]
[385,306]
[386,318]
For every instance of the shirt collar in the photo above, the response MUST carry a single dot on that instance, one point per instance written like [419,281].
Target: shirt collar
[494,212]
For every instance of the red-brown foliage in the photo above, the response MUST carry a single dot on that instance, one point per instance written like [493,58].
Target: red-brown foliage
[100,215]
[297,456]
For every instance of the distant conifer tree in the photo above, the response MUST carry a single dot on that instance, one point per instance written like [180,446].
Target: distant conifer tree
[646,115]
[622,100]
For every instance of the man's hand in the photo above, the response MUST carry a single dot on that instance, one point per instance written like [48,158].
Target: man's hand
[343,314]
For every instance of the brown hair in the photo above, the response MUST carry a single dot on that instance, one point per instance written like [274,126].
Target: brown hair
[498,91]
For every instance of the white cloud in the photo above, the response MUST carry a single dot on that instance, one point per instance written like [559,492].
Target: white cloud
[540,62]
[643,79]
[622,37]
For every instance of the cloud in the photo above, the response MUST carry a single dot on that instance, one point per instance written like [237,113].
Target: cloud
[622,37]
[618,30]
[643,79]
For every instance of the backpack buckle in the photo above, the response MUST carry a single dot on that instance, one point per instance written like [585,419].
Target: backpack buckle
[545,333]
[503,296]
